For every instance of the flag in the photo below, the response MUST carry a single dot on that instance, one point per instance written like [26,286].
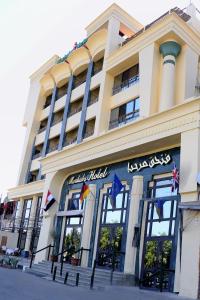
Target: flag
[175,178]
[159,208]
[85,190]
[49,201]
[115,190]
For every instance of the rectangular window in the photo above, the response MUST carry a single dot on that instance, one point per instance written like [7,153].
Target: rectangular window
[125,113]
[126,79]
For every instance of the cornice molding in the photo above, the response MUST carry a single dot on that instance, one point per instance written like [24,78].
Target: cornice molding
[25,190]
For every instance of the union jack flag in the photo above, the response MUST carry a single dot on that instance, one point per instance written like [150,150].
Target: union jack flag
[175,178]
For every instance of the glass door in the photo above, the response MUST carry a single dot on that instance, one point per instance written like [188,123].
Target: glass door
[160,242]
[112,236]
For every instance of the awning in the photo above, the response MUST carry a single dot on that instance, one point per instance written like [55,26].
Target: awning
[193,205]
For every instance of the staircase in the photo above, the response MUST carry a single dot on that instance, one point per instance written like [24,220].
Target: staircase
[101,278]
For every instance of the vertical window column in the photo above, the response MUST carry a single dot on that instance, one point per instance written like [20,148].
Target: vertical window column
[44,150]
[85,103]
[66,112]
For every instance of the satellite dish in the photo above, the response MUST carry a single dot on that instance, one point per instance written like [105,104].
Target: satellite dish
[198,178]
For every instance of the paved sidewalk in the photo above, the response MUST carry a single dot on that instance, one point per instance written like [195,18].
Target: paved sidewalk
[17,285]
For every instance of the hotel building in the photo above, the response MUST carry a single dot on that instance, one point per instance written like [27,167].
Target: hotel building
[124,101]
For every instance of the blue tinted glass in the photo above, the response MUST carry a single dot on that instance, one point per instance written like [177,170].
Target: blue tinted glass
[137,104]
[129,107]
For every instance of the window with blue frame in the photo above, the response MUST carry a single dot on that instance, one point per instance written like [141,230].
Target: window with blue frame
[74,202]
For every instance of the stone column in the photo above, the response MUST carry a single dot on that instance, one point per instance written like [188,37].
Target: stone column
[170,51]
[87,224]
[31,223]
[189,168]
[19,214]
[136,195]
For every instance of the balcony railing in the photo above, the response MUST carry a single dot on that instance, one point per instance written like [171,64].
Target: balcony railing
[36,155]
[124,119]
[70,142]
[92,101]
[56,121]
[78,81]
[125,84]
[74,111]
[97,70]
[88,134]
[42,129]
[52,148]
[46,105]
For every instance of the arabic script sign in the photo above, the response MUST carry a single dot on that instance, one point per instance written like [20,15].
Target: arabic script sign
[150,162]
[89,176]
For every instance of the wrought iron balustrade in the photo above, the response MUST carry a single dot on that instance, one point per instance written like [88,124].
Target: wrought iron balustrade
[124,119]
[74,111]
[125,84]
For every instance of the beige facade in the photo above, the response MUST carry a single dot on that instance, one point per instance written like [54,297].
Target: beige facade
[124,93]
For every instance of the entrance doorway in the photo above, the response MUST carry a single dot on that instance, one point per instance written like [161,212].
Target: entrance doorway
[160,240]
[112,232]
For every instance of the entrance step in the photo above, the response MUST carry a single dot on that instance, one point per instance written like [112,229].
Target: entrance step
[101,279]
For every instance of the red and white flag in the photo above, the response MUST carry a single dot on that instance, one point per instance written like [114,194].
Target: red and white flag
[49,201]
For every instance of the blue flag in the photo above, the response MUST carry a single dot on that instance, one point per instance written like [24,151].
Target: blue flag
[159,208]
[115,190]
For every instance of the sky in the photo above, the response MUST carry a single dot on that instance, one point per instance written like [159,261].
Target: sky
[31,32]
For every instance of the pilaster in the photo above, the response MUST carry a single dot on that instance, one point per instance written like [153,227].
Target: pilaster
[87,224]
[136,195]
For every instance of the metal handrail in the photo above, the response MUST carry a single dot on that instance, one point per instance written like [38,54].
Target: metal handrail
[113,263]
[125,84]
[42,249]
[66,250]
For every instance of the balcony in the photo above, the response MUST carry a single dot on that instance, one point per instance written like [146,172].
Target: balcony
[52,148]
[94,96]
[48,101]
[124,119]
[89,128]
[80,79]
[98,65]
[125,84]
[32,176]
[61,91]
[37,155]
[70,142]
[76,110]
[42,129]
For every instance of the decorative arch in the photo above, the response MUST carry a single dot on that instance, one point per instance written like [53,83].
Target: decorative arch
[61,73]
[78,59]
[47,84]
[97,42]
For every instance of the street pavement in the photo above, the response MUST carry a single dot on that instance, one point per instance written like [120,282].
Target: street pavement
[17,285]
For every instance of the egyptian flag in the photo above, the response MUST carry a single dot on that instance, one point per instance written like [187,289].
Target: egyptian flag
[49,201]
[85,190]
